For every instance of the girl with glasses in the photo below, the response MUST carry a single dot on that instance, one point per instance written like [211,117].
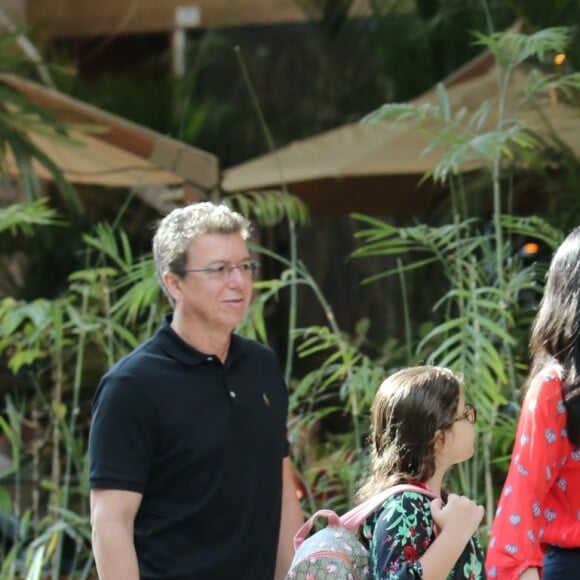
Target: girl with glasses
[421,426]
[536,531]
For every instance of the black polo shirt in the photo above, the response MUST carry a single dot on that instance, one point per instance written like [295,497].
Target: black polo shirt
[203,442]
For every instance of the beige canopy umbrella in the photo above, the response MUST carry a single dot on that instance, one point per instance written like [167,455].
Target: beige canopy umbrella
[109,151]
[87,160]
[377,168]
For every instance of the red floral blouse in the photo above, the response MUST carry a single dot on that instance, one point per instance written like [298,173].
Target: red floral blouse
[540,502]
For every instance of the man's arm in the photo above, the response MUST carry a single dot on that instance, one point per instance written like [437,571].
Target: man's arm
[112,517]
[292,519]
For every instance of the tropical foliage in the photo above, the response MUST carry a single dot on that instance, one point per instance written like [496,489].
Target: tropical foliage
[480,323]
[482,320]
[57,348]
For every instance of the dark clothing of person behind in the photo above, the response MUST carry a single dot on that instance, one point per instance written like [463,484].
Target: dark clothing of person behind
[203,442]
[561,563]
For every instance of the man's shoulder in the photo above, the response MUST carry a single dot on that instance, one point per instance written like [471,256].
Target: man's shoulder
[134,359]
[256,354]
[252,346]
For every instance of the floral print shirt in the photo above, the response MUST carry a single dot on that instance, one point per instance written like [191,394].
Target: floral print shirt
[540,502]
[400,532]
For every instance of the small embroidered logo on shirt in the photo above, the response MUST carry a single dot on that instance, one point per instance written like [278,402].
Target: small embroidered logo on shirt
[265,399]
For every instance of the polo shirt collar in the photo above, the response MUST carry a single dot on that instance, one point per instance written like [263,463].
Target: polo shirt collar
[180,350]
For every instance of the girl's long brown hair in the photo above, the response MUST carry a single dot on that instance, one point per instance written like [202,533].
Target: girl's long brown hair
[409,408]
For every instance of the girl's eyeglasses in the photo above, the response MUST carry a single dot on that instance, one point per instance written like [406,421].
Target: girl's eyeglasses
[470,414]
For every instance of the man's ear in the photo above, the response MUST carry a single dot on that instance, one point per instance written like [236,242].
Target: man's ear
[173,284]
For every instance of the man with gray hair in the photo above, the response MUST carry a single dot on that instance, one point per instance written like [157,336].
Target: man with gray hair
[189,470]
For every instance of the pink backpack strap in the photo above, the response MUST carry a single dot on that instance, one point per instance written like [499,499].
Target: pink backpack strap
[306,528]
[354,518]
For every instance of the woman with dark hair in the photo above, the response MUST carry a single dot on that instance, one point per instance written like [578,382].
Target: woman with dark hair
[421,426]
[536,531]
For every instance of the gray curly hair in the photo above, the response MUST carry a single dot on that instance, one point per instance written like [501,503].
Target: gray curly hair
[181,226]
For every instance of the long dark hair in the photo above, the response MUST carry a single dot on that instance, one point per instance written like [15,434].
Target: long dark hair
[557,326]
[409,408]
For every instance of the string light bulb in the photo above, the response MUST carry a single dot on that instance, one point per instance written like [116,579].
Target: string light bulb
[531,249]
[559,58]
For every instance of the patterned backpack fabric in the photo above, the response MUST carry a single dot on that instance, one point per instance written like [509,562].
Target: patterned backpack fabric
[336,552]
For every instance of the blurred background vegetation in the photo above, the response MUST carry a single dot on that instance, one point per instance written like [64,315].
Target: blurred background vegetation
[345,300]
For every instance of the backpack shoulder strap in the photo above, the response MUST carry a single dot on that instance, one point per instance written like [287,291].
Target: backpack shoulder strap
[306,528]
[357,515]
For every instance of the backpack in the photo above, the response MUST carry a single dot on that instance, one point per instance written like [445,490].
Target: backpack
[336,552]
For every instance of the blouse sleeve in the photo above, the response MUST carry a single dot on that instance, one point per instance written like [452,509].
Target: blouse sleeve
[536,460]
[403,531]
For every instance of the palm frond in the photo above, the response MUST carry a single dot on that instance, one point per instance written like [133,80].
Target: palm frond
[270,207]
[24,218]
[512,48]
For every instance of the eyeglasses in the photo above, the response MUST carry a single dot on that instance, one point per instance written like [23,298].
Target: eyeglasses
[470,414]
[223,271]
